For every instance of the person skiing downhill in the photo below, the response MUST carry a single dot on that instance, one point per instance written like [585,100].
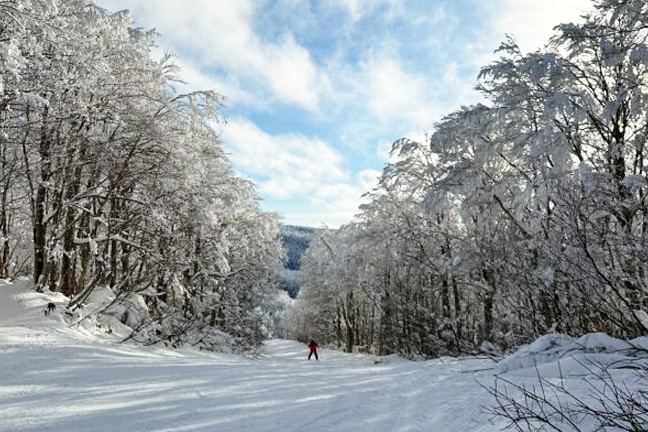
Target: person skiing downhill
[313,349]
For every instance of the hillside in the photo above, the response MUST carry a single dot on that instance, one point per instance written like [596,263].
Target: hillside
[296,239]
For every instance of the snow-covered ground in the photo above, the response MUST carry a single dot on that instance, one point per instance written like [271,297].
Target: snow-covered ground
[60,378]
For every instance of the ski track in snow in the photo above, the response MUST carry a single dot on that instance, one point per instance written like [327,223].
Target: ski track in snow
[57,379]
[67,386]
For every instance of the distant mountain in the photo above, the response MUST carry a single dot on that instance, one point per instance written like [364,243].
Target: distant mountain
[295,240]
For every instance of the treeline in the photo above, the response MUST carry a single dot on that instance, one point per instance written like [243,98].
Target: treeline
[111,178]
[517,217]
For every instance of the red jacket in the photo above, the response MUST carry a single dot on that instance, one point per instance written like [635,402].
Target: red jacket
[313,347]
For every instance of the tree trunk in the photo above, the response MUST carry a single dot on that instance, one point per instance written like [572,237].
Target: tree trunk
[38,218]
[489,277]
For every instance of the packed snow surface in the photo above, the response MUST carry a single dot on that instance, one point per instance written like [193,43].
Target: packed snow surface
[61,378]
[57,377]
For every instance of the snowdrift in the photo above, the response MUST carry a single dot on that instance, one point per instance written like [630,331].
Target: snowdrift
[556,355]
[102,316]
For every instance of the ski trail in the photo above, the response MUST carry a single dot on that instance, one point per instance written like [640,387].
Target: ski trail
[54,380]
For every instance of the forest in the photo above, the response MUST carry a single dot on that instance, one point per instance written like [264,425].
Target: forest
[513,237]
[112,178]
[523,215]
[519,216]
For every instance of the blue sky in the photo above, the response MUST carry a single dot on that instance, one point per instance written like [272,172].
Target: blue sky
[317,90]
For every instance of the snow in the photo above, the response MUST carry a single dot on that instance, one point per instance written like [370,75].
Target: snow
[72,379]
[73,387]
[634,181]
[557,355]
[643,317]
[58,377]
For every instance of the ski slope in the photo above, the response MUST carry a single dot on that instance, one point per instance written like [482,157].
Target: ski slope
[78,387]
[62,378]
[68,385]
[57,378]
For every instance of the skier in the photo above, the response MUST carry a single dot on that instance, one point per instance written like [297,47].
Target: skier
[313,349]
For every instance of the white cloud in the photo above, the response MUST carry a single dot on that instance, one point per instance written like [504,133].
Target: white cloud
[402,99]
[368,89]
[383,149]
[357,8]
[291,74]
[287,165]
[392,102]
[341,200]
[532,22]
[395,95]
[368,179]
[193,79]
[291,166]
[221,36]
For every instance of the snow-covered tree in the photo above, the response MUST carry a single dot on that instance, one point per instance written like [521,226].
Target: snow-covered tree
[518,216]
[119,181]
